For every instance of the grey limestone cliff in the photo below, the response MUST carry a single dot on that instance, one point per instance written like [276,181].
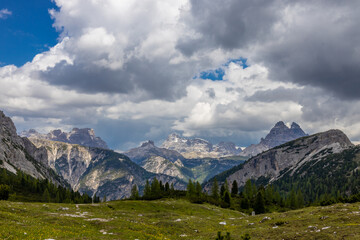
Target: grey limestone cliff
[287,158]
[278,135]
[199,148]
[81,136]
[18,153]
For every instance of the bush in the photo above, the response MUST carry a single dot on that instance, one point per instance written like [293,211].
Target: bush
[4,192]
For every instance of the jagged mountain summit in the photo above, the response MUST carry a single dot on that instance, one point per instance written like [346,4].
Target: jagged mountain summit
[98,171]
[81,136]
[172,163]
[288,158]
[278,135]
[148,149]
[19,154]
[199,148]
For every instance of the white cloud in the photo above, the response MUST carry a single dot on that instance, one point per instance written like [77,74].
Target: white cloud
[4,13]
[121,61]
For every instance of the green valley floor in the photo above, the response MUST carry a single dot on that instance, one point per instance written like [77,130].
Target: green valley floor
[171,219]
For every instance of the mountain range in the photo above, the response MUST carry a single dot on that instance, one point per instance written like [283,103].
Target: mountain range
[199,148]
[81,136]
[294,158]
[82,161]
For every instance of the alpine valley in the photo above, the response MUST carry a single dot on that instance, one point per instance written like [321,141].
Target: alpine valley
[83,161]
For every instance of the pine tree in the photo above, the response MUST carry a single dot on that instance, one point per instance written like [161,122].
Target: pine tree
[234,188]
[162,187]
[172,190]
[299,199]
[222,191]
[190,194]
[259,206]
[167,188]
[227,199]
[134,193]
[198,190]
[248,189]
[215,190]
[147,190]
[155,188]
[46,196]
[57,199]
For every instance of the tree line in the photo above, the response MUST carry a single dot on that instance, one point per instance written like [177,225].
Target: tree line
[23,187]
[248,198]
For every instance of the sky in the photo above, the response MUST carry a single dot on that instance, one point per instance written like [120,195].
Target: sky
[223,70]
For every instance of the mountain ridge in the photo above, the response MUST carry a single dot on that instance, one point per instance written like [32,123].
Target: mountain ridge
[277,135]
[274,163]
[81,136]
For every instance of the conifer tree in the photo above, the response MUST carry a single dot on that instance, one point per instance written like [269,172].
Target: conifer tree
[234,188]
[46,196]
[227,199]
[134,193]
[198,190]
[259,206]
[190,194]
[147,190]
[215,190]
[155,189]
[222,190]
[167,188]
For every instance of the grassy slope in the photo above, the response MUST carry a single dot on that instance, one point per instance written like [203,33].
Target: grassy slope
[159,220]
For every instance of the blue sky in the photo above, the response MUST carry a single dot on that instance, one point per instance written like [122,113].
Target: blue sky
[25,32]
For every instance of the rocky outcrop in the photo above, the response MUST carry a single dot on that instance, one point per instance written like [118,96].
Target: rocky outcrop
[199,148]
[160,165]
[18,153]
[98,171]
[81,136]
[148,149]
[287,158]
[278,135]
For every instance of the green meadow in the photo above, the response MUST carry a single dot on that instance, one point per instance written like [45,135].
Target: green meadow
[171,219]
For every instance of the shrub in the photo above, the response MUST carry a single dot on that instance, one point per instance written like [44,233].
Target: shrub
[4,192]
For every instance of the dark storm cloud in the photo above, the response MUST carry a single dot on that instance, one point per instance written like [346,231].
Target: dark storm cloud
[278,95]
[228,24]
[155,79]
[315,43]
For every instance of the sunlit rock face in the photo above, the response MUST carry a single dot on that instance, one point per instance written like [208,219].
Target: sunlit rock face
[81,136]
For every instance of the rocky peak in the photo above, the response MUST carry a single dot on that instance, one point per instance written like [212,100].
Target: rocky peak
[80,136]
[278,135]
[148,149]
[199,148]
[148,143]
[19,153]
[289,157]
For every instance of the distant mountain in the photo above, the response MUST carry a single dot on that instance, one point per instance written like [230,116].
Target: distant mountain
[98,171]
[148,149]
[19,154]
[172,163]
[288,158]
[81,136]
[199,148]
[278,135]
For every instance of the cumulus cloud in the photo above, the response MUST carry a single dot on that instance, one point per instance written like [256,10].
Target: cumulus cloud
[5,13]
[131,69]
